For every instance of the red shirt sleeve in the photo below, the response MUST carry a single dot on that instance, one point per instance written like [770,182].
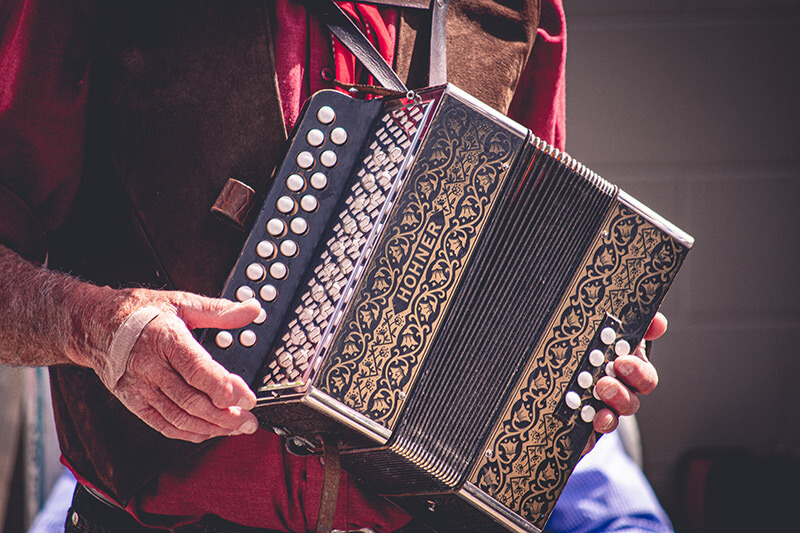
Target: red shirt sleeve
[43,68]
[539,102]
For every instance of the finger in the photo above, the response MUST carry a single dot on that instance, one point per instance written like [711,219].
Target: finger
[140,406]
[199,405]
[182,420]
[605,421]
[199,370]
[590,444]
[657,327]
[617,396]
[202,312]
[637,373]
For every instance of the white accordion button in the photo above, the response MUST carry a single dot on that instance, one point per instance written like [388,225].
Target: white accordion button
[608,335]
[319,180]
[278,270]
[326,114]
[285,204]
[299,225]
[268,293]
[587,413]
[289,248]
[338,136]
[261,318]
[328,158]
[295,182]
[315,137]
[585,380]
[309,203]
[572,399]
[247,338]
[244,293]
[276,227]
[596,357]
[610,369]
[254,272]
[622,348]
[305,159]
[265,249]
[224,339]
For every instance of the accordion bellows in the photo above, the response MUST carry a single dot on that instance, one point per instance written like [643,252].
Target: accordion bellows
[441,292]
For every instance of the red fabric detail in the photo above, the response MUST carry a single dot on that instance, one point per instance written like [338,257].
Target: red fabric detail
[304,47]
[253,481]
[42,105]
[539,102]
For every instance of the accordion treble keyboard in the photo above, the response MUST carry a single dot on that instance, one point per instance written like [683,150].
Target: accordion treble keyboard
[457,290]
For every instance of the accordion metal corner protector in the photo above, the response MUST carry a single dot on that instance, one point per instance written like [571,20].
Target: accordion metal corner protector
[441,290]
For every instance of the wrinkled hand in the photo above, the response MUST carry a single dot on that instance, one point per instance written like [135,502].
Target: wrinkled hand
[635,376]
[173,384]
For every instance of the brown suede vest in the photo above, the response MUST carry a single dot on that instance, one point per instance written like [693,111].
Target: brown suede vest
[183,97]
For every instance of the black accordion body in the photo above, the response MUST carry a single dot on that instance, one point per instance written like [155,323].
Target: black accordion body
[441,292]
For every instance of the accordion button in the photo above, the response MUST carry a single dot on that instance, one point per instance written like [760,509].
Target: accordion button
[596,357]
[254,272]
[247,338]
[276,227]
[285,204]
[224,339]
[295,182]
[608,335]
[305,160]
[268,293]
[244,293]
[622,348]
[610,369]
[326,114]
[299,225]
[572,399]
[315,137]
[338,136]
[319,180]
[328,158]
[261,318]
[309,203]
[278,270]
[585,380]
[289,248]
[265,249]
[587,413]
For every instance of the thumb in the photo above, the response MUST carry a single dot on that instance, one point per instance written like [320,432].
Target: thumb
[203,312]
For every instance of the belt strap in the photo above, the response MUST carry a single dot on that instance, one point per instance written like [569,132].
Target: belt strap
[331,475]
[354,40]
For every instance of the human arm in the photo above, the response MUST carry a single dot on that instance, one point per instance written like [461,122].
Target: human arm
[169,381]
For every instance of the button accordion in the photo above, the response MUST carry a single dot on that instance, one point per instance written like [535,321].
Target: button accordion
[441,291]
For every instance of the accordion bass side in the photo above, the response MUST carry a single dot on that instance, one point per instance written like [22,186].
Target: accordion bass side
[442,290]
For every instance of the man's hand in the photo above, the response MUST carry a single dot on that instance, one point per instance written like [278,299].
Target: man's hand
[166,378]
[173,384]
[635,375]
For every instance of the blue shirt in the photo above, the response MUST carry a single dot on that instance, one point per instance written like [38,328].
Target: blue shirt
[608,492]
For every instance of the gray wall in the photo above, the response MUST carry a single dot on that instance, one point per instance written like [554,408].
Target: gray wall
[693,107]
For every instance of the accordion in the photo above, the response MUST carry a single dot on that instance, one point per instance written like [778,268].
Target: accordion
[441,290]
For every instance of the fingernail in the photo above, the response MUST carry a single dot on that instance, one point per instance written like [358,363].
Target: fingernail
[607,392]
[624,368]
[607,425]
[246,403]
[248,427]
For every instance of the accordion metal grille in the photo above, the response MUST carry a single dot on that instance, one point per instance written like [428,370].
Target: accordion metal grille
[552,199]
[344,245]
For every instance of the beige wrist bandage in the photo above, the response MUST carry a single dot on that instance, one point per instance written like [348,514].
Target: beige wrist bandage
[119,352]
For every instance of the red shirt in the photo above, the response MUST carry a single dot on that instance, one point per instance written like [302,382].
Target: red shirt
[249,479]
